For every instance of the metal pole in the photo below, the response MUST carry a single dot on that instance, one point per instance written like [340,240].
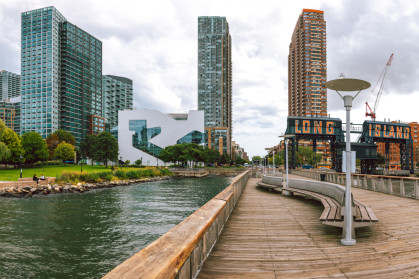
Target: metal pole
[348,240]
[273,161]
[284,191]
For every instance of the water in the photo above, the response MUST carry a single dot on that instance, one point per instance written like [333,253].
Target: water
[87,235]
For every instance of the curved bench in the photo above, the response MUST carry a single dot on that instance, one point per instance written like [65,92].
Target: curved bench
[332,197]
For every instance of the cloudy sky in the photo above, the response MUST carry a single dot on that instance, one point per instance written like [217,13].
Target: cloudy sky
[155,44]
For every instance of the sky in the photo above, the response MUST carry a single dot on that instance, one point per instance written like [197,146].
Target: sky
[154,43]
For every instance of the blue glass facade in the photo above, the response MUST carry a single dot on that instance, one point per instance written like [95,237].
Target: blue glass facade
[215,80]
[61,74]
[192,137]
[142,135]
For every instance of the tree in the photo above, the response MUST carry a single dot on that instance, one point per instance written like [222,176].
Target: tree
[64,151]
[35,147]
[14,144]
[256,159]
[106,148]
[87,147]
[2,128]
[54,139]
[4,151]
[210,156]
[138,162]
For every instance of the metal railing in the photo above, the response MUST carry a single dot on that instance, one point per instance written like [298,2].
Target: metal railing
[181,252]
[394,185]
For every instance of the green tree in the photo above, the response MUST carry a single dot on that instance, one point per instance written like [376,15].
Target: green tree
[14,144]
[210,156]
[256,159]
[64,151]
[106,148]
[2,128]
[4,152]
[54,139]
[87,147]
[138,162]
[35,147]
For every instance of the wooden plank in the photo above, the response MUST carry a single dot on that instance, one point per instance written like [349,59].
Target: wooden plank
[275,236]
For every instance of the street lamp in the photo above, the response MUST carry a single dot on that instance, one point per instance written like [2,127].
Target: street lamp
[286,137]
[273,161]
[267,159]
[120,161]
[81,165]
[348,84]
[21,157]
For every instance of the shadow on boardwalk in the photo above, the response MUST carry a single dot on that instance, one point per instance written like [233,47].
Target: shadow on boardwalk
[273,236]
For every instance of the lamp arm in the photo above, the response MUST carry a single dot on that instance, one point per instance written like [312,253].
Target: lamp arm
[357,94]
[339,94]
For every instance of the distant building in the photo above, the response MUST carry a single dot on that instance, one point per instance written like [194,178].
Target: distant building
[142,134]
[61,74]
[307,73]
[307,66]
[9,85]
[394,149]
[10,113]
[215,81]
[117,95]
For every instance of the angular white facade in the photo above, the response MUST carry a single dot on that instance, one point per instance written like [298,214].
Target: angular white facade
[161,130]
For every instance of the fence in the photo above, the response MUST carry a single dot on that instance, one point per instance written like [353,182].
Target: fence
[395,185]
[181,252]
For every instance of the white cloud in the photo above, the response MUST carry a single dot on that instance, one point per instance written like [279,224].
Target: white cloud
[155,44]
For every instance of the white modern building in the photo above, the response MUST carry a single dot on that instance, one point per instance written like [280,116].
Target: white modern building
[142,134]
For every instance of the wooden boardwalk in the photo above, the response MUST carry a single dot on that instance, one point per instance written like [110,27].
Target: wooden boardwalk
[273,236]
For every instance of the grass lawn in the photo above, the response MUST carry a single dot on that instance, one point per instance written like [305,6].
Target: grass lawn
[48,171]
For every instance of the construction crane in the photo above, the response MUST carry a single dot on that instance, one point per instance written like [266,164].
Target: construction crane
[369,111]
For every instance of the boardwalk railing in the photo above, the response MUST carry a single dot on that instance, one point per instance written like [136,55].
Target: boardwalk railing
[181,252]
[395,185]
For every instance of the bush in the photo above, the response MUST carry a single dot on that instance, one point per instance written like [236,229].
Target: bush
[138,163]
[133,174]
[105,175]
[92,177]
[120,174]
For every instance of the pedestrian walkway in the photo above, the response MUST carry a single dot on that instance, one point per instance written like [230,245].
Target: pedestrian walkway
[274,236]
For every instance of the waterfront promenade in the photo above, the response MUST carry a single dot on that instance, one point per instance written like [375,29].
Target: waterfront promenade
[270,235]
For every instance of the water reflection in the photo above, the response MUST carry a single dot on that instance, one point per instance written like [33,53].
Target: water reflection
[86,235]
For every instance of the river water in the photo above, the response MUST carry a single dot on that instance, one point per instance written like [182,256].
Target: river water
[86,235]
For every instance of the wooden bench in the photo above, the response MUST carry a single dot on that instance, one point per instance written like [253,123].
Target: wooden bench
[332,197]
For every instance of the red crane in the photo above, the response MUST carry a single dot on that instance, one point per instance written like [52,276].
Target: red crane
[369,111]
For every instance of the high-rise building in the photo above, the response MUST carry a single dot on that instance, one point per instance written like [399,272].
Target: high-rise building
[117,95]
[307,66]
[9,85]
[10,113]
[215,81]
[61,74]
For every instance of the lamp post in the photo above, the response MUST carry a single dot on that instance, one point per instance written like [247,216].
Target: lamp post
[21,157]
[286,137]
[120,160]
[273,162]
[267,158]
[348,84]
[81,165]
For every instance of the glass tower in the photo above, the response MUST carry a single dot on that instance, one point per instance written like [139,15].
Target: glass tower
[307,66]
[215,81]
[9,85]
[117,95]
[61,74]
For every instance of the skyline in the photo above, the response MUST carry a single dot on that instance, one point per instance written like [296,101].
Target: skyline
[157,49]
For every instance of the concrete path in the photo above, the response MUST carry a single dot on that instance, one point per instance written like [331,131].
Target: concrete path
[273,236]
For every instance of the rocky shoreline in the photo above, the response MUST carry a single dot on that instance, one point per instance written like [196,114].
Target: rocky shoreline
[29,191]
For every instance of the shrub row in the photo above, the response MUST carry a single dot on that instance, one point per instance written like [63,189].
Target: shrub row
[95,177]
